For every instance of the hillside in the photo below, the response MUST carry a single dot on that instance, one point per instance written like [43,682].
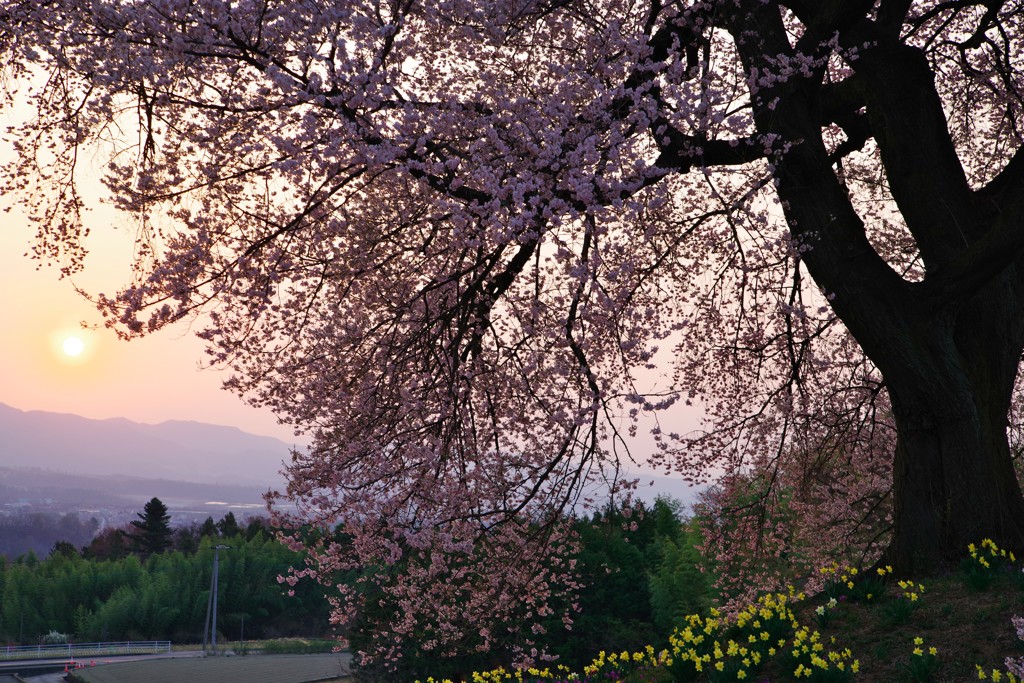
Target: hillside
[70,452]
[182,451]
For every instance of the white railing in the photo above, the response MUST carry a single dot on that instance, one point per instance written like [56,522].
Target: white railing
[84,650]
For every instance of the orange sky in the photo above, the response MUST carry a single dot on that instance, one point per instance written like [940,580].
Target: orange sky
[148,380]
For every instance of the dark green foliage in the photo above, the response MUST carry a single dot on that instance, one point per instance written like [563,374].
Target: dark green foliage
[186,538]
[678,587]
[39,531]
[108,544]
[63,548]
[615,606]
[257,526]
[151,533]
[639,572]
[209,529]
[228,526]
[164,597]
[639,569]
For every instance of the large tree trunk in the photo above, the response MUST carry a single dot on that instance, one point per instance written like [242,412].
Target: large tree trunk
[951,382]
[948,348]
[953,483]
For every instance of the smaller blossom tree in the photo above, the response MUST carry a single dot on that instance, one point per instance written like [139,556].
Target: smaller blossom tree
[1015,665]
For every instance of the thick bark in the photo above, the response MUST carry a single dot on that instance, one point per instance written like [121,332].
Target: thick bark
[953,477]
[953,483]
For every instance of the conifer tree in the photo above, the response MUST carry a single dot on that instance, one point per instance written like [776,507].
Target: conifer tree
[228,526]
[209,528]
[151,532]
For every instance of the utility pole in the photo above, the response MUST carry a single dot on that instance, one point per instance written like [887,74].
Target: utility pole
[211,601]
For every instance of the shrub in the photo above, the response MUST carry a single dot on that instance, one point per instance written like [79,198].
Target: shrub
[55,638]
[299,647]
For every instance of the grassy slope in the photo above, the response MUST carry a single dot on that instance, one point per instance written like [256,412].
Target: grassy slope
[967,625]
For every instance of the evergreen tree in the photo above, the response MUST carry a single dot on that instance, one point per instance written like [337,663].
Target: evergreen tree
[676,584]
[64,548]
[186,538]
[257,526]
[209,528]
[228,526]
[152,530]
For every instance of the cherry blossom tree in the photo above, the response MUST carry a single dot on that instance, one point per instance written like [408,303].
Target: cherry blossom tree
[474,246]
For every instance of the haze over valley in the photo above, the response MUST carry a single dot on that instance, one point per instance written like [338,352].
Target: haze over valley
[59,464]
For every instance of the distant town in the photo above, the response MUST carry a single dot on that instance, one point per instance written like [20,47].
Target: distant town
[39,509]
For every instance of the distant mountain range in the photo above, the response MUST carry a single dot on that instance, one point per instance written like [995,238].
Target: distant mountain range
[182,451]
[113,462]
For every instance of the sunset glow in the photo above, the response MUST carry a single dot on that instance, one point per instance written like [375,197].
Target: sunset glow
[73,346]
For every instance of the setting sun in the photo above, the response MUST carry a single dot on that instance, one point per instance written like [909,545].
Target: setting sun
[73,346]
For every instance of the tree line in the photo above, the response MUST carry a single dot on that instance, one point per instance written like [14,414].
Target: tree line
[151,533]
[639,567]
[38,531]
[162,597]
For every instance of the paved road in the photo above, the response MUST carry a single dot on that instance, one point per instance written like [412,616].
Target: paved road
[252,669]
[190,666]
[52,670]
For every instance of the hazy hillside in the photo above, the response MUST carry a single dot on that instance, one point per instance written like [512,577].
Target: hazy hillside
[183,451]
[58,469]
[116,492]
[117,460]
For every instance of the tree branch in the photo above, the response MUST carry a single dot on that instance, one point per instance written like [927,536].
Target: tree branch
[1001,246]
[680,152]
[926,177]
[1007,185]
